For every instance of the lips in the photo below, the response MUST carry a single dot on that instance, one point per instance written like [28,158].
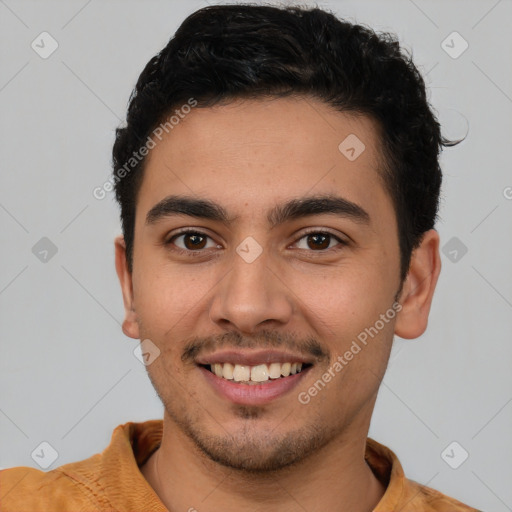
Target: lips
[253,378]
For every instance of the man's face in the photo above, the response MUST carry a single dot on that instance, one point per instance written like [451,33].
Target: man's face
[250,292]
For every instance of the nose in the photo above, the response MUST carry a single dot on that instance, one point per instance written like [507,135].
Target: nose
[252,296]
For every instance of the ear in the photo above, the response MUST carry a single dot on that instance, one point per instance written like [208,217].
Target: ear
[130,325]
[418,288]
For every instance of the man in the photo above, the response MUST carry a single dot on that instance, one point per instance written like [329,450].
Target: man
[278,179]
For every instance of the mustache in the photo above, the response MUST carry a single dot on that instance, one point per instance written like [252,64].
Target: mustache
[264,339]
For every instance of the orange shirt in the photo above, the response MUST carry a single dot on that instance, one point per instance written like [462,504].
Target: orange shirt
[111,481]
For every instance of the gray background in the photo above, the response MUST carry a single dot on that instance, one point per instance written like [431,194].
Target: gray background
[68,375]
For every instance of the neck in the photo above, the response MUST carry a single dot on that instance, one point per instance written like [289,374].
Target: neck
[335,478]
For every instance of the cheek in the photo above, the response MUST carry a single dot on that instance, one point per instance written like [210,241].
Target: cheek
[166,299]
[345,313]
[347,300]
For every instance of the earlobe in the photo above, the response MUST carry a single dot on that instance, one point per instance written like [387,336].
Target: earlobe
[130,325]
[418,289]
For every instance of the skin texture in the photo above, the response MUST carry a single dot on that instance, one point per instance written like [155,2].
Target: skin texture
[249,156]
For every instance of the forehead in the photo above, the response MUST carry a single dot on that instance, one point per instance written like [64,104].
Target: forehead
[254,153]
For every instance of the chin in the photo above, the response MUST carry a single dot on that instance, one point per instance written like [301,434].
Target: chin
[252,450]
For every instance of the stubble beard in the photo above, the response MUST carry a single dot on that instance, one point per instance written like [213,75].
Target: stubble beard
[251,449]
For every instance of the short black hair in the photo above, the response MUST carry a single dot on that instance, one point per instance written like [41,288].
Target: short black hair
[224,52]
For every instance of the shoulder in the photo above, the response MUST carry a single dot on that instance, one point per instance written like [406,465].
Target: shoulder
[403,493]
[107,481]
[425,499]
[62,489]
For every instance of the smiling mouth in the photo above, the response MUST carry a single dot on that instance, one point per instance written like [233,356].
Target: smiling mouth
[259,374]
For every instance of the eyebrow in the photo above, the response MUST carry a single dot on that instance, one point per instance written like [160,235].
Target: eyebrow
[292,209]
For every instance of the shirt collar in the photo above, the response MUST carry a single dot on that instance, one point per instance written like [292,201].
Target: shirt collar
[133,443]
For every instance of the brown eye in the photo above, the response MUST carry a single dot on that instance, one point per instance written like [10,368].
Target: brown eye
[194,241]
[191,241]
[318,241]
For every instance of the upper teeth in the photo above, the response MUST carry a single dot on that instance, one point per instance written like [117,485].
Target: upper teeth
[259,373]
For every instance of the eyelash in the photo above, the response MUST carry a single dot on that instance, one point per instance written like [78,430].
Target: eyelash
[192,253]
